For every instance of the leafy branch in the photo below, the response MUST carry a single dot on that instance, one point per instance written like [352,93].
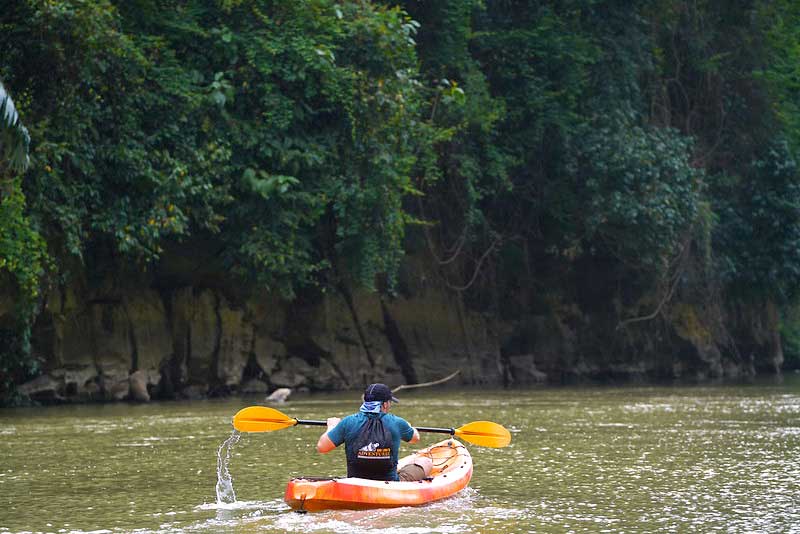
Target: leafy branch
[14,137]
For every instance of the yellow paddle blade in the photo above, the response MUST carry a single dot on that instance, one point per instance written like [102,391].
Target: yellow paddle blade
[485,433]
[261,419]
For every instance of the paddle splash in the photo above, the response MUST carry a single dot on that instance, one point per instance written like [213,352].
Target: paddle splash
[224,488]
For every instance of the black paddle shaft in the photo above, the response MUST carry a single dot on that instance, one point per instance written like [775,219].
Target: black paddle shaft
[314,423]
[450,431]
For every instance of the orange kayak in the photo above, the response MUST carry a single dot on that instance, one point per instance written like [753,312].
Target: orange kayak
[452,471]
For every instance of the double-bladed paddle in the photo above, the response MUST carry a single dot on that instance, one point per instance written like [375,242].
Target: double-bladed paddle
[265,419]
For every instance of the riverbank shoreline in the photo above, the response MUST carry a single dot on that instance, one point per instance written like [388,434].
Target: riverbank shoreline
[304,394]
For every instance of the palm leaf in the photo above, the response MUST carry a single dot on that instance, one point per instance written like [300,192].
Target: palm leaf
[14,137]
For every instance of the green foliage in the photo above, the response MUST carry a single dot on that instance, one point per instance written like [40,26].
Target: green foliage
[14,137]
[22,254]
[16,364]
[103,166]
[758,237]
[538,57]
[704,53]
[22,250]
[780,23]
[636,191]
[284,131]
[523,67]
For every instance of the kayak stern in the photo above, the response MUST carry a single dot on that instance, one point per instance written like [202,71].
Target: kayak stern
[452,473]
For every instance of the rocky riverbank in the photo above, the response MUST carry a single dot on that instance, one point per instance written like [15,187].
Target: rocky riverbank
[111,341]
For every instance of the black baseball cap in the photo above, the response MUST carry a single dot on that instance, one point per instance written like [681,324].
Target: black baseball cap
[379,392]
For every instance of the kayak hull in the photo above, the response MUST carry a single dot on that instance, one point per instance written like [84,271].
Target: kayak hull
[452,471]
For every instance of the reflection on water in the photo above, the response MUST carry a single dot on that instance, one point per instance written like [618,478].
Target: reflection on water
[628,459]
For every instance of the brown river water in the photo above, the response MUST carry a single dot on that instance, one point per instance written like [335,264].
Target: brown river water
[722,458]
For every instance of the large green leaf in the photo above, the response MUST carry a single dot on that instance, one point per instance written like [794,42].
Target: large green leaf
[14,137]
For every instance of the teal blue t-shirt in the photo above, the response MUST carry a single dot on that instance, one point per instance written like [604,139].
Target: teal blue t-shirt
[348,428]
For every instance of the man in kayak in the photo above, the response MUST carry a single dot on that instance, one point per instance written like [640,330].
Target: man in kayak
[372,439]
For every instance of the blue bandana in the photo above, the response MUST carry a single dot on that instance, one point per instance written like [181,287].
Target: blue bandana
[371,407]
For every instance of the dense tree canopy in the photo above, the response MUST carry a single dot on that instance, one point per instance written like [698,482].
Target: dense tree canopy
[308,142]
[286,130]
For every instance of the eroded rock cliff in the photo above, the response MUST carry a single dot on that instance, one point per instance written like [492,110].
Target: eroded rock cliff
[141,340]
